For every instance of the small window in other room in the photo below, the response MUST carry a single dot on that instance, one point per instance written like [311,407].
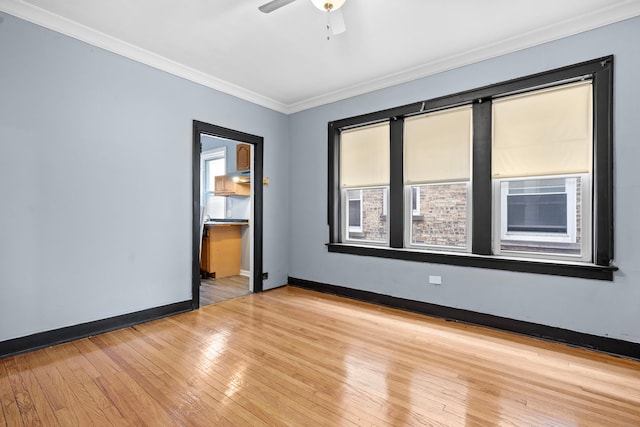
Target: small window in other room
[213,164]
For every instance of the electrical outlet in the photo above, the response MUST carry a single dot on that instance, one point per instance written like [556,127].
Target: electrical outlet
[435,280]
[265,276]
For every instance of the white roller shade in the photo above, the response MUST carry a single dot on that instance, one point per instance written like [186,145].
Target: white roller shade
[545,132]
[437,147]
[364,156]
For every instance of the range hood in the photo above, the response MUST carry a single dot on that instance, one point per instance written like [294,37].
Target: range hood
[242,177]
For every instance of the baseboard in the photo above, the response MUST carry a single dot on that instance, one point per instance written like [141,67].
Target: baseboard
[57,336]
[578,339]
[245,273]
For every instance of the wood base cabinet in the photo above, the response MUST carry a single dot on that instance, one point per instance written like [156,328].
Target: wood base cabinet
[221,258]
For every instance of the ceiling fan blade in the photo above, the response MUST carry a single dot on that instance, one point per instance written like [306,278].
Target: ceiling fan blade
[274,5]
[336,22]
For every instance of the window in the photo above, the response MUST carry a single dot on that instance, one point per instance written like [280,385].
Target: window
[364,181]
[213,164]
[439,217]
[540,139]
[437,176]
[514,176]
[543,217]
[539,207]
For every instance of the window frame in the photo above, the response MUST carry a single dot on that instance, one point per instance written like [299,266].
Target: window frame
[537,237]
[601,267]
[347,229]
[502,196]
[219,153]
[352,228]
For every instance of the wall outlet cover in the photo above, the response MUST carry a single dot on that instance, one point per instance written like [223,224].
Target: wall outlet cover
[435,280]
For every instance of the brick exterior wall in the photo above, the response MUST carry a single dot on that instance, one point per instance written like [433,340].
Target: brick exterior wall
[374,221]
[443,221]
[443,216]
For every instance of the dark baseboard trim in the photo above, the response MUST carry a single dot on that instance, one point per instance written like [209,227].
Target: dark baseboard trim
[549,333]
[57,336]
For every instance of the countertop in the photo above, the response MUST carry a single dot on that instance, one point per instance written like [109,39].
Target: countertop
[214,223]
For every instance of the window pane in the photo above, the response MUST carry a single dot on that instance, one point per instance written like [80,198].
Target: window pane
[215,205]
[537,213]
[214,167]
[543,216]
[443,215]
[366,218]
[354,214]
[527,186]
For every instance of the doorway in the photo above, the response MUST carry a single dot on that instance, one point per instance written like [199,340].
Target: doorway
[229,139]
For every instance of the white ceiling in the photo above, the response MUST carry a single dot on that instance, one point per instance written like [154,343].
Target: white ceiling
[284,61]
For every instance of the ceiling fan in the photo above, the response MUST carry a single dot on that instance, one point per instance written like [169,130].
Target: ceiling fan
[335,20]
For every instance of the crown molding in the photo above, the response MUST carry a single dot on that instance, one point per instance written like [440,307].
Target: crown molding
[569,27]
[70,28]
[578,24]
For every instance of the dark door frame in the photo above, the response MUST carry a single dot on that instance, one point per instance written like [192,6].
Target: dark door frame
[200,128]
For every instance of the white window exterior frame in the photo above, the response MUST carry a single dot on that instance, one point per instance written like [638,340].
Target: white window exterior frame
[501,234]
[353,228]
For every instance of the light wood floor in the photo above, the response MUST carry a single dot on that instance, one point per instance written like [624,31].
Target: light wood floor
[213,291]
[298,358]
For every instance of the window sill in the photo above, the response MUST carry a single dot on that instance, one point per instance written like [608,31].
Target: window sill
[580,270]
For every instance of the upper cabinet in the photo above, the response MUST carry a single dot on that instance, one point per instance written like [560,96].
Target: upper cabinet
[225,186]
[243,157]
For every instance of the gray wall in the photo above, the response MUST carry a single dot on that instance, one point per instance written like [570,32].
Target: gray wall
[95,181]
[95,186]
[589,306]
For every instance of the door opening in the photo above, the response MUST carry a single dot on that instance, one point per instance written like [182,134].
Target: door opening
[227,212]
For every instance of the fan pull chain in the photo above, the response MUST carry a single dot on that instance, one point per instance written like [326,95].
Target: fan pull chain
[329,32]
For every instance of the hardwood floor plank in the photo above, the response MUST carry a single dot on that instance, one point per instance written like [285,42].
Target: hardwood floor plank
[213,291]
[8,400]
[185,408]
[179,366]
[78,387]
[253,397]
[46,416]
[21,393]
[295,357]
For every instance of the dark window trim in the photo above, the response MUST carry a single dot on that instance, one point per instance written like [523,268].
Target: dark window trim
[585,271]
[600,71]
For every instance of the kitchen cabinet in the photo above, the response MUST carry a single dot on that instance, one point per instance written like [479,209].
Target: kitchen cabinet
[225,186]
[243,157]
[221,257]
